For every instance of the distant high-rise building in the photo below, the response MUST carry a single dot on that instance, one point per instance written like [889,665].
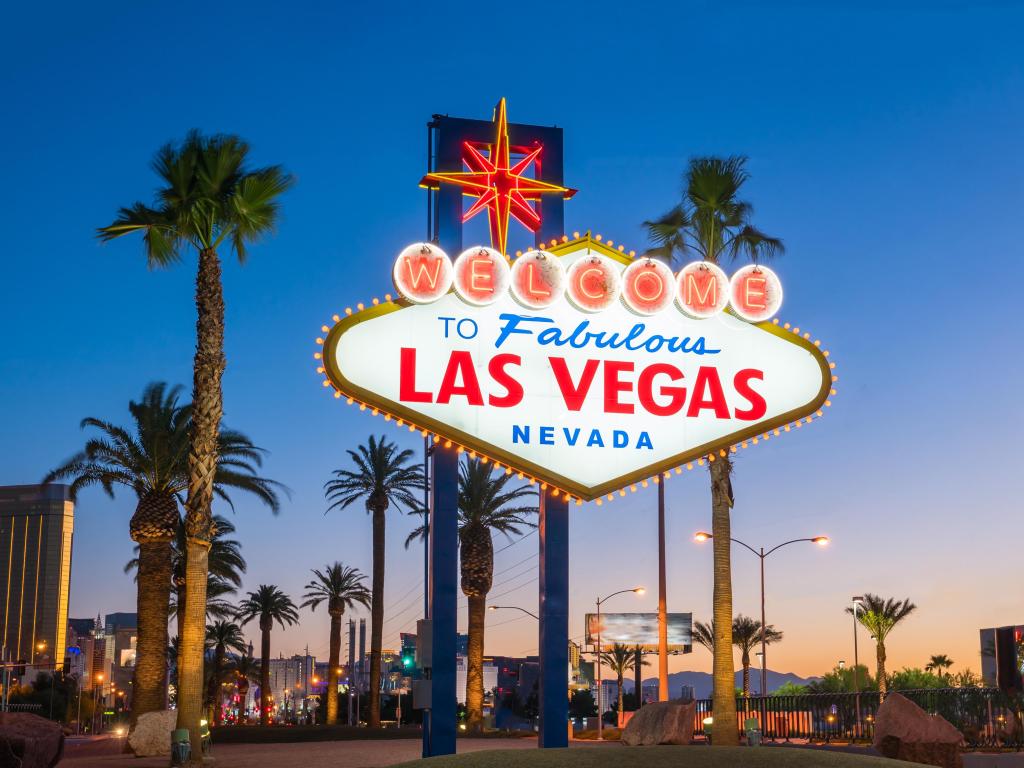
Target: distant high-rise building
[36,527]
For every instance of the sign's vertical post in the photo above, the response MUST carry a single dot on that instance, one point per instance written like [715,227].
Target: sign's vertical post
[554,620]
[444,582]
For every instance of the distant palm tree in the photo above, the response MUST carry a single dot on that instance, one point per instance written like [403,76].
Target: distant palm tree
[341,588]
[704,634]
[245,670]
[485,506]
[879,616]
[210,199]
[383,476]
[713,223]
[939,664]
[221,637]
[746,635]
[267,604]
[147,457]
[620,658]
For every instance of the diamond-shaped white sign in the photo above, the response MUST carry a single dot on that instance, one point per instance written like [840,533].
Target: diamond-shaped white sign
[587,402]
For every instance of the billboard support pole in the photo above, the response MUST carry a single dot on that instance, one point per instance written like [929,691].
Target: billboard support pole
[554,621]
[662,599]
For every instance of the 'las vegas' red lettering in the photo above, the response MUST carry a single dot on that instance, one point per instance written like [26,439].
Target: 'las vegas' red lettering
[407,391]
[573,394]
[513,389]
[758,407]
[708,394]
[460,365]
[645,390]
[613,385]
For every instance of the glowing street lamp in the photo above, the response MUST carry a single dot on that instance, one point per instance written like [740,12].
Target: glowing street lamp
[600,601]
[821,541]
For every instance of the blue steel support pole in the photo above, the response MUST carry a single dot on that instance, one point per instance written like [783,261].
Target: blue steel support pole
[554,621]
[444,583]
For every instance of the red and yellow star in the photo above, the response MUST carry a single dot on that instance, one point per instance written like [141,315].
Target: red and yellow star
[498,186]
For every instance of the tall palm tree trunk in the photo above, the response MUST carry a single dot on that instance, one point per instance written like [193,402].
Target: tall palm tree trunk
[746,674]
[265,673]
[376,618]
[883,685]
[179,591]
[215,686]
[149,680]
[475,663]
[334,659]
[621,681]
[207,403]
[725,732]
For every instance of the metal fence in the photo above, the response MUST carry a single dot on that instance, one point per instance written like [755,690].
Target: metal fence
[986,716]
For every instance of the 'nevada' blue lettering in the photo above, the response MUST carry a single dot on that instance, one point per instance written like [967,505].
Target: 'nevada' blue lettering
[644,441]
[547,435]
[520,434]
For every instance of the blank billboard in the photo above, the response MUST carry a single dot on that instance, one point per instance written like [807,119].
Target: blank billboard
[640,629]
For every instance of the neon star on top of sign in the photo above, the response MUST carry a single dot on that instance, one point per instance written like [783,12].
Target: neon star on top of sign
[499,187]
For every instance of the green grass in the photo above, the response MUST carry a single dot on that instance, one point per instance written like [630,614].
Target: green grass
[695,756]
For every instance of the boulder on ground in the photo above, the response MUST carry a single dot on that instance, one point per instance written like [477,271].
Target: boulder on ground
[904,731]
[664,722]
[30,741]
[152,733]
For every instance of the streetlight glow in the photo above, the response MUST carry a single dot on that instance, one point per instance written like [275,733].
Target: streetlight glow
[640,590]
[821,541]
[701,536]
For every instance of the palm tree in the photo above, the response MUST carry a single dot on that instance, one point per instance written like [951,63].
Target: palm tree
[146,457]
[245,671]
[704,634]
[486,504]
[267,604]
[221,637]
[746,634]
[341,588]
[879,615]
[620,658]
[712,223]
[939,664]
[209,198]
[383,477]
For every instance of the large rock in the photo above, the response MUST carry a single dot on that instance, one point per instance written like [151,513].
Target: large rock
[664,722]
[904,731]
[29,741]
[152,733]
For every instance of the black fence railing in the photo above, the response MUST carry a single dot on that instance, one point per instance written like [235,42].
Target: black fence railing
[986,716]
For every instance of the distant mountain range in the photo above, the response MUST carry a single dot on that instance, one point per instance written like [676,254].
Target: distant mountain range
[701,681]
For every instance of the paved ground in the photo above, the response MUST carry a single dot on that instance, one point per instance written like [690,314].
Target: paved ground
[367,754]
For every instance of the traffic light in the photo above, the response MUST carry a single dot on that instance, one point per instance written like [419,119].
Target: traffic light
[407,660]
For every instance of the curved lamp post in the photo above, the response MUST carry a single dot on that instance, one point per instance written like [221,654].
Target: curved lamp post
[821,541]
[600,602]
[512,608]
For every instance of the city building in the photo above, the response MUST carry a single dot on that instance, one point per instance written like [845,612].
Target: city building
[291,683]
[36,528]
[990,652]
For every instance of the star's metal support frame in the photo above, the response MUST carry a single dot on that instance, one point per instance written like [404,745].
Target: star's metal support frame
[446,136]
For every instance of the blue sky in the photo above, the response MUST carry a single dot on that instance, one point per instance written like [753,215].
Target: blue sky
[884,144]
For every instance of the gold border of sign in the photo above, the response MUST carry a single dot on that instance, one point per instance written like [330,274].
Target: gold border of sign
[543,474]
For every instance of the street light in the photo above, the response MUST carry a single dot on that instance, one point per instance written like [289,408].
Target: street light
[600,601]
[821,541]
[512,608]
[857,600]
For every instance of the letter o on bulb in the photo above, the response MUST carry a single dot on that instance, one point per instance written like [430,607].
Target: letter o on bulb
[593,283]
[647,286]
[755,293]
[702,290]
[481,276]
[538,279]
[422,273]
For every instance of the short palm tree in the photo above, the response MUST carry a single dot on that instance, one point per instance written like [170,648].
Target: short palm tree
[221,637]
[267,605]
[746,635]
[939,665]
[148,458]
[209,198]
[341,588]
[713,223]
[879,616]
[620,658]
[244,670]
[384,476]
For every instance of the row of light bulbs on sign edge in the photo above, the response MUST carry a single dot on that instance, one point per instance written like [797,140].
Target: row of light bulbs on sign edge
[555,492]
